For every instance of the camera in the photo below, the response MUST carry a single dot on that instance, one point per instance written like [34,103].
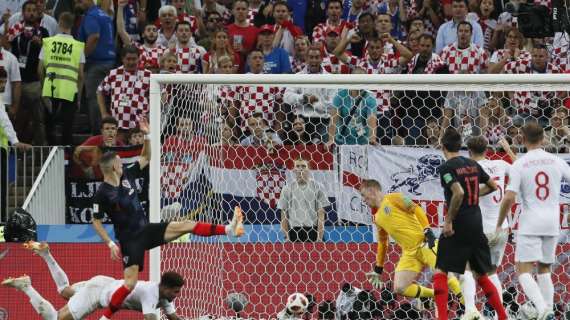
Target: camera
[536,21]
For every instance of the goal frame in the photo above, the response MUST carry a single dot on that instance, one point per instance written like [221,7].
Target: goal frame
[460,82]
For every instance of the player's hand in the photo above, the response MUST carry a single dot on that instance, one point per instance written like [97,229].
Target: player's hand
[375,279]
[499,235]
[448,229]
[429,238]
[144,126]
[235,228]
[115,251]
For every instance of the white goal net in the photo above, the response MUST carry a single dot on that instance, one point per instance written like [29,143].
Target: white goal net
[291,152]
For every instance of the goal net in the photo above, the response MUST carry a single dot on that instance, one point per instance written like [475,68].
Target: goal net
[291,152]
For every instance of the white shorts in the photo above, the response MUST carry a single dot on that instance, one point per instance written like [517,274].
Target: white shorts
[86,300]
[536,248]
[498,250]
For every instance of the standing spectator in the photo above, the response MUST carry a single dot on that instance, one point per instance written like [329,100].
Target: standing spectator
[276,60]
[331,63]
[464,57]
[96,31]
[353,117]
[195,21]
[221,47]
[395,54]
[365,32]
[312,104]
[243,34]
[214,6]
[128,88]
[561,51]
[513,51]
[425,61]
[260,133]
[533,105]
[167,34]
[135,137]
[213,25]
[357,8]
[298,60]
[418,25]
[413,42]
[12,88]
[494,121]
[447,33]
[302,205]
[557,137]
[26,46]
[429,12]
[397,12]
[189,56]
[334,21]
[486,16]
[16,22]
[61,73]
[150,51]
[168,62]
[286,31]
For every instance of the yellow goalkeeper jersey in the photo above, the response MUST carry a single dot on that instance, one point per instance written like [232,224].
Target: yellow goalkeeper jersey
[401,219]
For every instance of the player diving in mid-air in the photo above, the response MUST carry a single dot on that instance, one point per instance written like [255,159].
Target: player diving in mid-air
[88,296]
[117,198]
[406,222]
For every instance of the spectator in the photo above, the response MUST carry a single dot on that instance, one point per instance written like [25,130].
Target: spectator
[61,73]
[285,30]
[214,24]
[334,21]
[302,204]
[96,31]
[429,12]
[425,61]
[431,133]
[242,32]
[557,137]
[135,137]
[353,117]
[167,34]
[168,62]
[357,8]
[395,54]
[185,145]
[486,15]
[221,47]
[464,57]
[494,121]
[196,23]
[298,134]
[16,22]
[447,33]
[533,105]
[413,42]
[276,60]
[298,60]
[214,6]
[312,104]
[150,51]
[128,88]
[12,82]
[513,50]
[227,135]
[189,56]
[260,134]
[26,46]
[331,63]
[561,51]
[365,32]
[397,12]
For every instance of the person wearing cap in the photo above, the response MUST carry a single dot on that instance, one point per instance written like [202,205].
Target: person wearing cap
[331,63]
[276,60]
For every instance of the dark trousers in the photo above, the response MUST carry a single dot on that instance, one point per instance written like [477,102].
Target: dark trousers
[61,111]
[303,234]
[3,183]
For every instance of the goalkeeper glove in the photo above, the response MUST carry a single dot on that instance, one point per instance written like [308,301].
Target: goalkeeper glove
[498,236]
[429,237]
[374,277]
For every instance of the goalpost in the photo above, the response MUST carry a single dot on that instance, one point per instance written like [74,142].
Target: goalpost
[197,163]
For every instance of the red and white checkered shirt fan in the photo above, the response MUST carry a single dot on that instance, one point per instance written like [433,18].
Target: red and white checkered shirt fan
[189,59]
[500,54]
[129,95]
[149,57]
[434,64]
[472,59]
[319,32]
[332,64]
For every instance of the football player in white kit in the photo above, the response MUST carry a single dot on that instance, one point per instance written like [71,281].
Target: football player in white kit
[489,204]
[536,179]
[88,296]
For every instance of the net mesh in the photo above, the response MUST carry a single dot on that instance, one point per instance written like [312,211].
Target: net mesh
[239,145]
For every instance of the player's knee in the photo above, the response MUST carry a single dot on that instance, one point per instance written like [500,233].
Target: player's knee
[400,287]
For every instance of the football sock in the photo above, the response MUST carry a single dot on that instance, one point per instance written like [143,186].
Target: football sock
[57,273]
[440,294]
[497,283]
[116,301]
[41,305]
[532,291]
[208,229]
[455,287]
[492,296]
[469,291]
[546,288]
[416,291]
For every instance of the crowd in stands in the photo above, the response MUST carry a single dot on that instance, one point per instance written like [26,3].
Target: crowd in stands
[119,44]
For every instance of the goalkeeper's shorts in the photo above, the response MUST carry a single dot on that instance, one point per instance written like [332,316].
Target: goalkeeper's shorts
[417,259]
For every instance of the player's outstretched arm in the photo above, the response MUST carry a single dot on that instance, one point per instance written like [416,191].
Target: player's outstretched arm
[115,252]
[144,158]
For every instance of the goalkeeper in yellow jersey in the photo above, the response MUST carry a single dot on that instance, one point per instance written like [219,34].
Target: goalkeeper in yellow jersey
[406,222]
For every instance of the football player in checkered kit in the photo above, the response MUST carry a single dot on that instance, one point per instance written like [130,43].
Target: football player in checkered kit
[533,105]
[150,49]
[189,55]
[302,203]
[464,57]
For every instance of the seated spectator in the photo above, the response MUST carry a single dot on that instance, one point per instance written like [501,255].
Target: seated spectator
[417,25]
[334,21]
[313,104]
[15,23]
[128,89]
[298,58]
[557,137]
[221,47]
[135,137]
[184,145]
[425,61]
[242,31]
[298,134]
[225,65]
[425,16]
[353,117]
[397,12]
[167,16]
[285,30]
[260,134]
[513,50]
[447,33]
[365,32]
[189,55]
[494,121]
[276,60]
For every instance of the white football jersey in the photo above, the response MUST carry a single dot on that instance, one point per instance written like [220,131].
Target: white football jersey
[144,298]
[491,203]
[536,178]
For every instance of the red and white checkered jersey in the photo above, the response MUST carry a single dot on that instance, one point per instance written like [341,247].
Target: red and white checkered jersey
[149,57]
[472,59]
[526,100]
[434,64]
[129,95]
[255,99]
[192,20]
[561,51]
[15,30]
[319,32]
[332,64]
[296,64]
[500,54]
[227,95]
[189,59]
